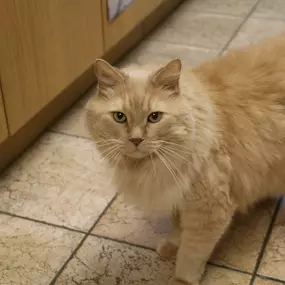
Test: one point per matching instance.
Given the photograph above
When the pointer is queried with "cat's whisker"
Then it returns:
(193, 132)
(185, 149)
(151, 158)
(104, 143)
(117, 158)
(108, 149)
(174, 167)
(174, 153)
(101, 144)
(112, 154)
(107, 154)
(154, 168)
(164, 161)
(106, 140)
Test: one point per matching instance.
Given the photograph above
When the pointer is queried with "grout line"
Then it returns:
(229, 268)
(69, 135)
(42, 222)
(273, 19)
(240, 26)
(266, 240)
(174, 44)
(81, 242)
(193, 47)
(208, 13)
(221, 15)
(123, 242)
(270, 278)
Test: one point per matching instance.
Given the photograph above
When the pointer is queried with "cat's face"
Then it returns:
(137, 115)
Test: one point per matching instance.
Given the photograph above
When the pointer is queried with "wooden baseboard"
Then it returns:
(12, 147)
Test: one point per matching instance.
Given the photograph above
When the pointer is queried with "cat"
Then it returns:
(199, 143)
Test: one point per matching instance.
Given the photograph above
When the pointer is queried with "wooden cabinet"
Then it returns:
(3, 125)
(150, 6)
(45, 45)
(130, 18)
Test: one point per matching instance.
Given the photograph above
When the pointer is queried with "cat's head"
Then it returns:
(139, 114)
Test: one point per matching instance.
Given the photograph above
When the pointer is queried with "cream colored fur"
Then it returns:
(219, 147)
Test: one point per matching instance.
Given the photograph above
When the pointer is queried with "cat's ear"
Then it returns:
(168, 76)
(107, 75)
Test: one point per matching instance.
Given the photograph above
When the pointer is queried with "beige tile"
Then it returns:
(219, 276)
(257, 29)
(73, 123)
(241, 245)
(197, 29)
(274, 257)
(129, 223)
(32, 253)
(270, 9)
(105, 262)
(260, 281)
(156, 52)
(230, 7)
(59, 180)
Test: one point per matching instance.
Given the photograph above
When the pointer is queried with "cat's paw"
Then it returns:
(166, 250)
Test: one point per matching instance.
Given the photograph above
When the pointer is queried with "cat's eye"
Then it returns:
(119, 117)
(155, 117)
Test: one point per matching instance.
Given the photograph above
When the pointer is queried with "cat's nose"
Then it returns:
(136, 141)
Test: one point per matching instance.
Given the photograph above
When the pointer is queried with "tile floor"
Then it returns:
(59, 221)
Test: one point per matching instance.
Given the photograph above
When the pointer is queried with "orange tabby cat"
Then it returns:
(200, 143)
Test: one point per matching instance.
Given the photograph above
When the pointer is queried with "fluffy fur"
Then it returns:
(218, 148)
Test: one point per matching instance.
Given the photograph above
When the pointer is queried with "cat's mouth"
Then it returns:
(137, 154)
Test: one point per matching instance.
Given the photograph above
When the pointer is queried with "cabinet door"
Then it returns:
(3, 125)
(44, 46)
(118, 28)
(150, 6)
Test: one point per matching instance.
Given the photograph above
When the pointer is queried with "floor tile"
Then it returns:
(241, 245)
(197, 29)
(257, 29)
(232, 7)
(59, 180)
(32, 253)
(156, 52)
(102, 262)
(129, 223)
(270, 9)
(239, 248)
(274, 257)
(72, 123)
(260, 281)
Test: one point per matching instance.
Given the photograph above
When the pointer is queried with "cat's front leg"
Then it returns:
(201, 228)
(168, 247)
